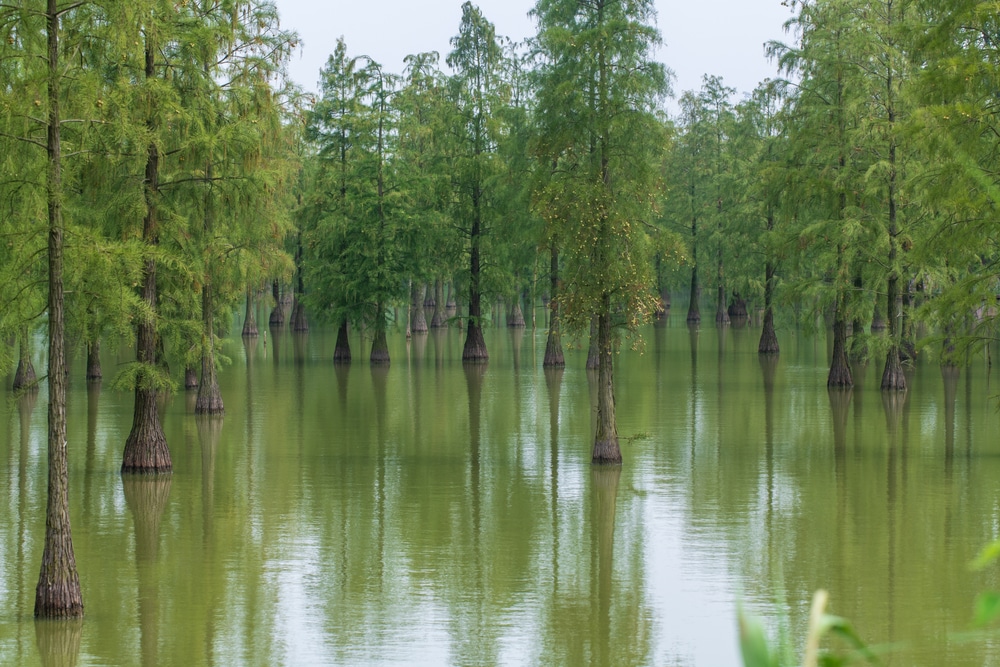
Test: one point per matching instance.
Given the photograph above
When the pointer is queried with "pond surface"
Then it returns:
(430, 514)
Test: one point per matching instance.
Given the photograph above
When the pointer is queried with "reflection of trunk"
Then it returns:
(250, 320)
(380, 347)
(94, 372)
(606, 448)
(474, 376)
(25, 377)
(950, 375)
(147, 497)
(553, 345)
(604, 483)
(593, 354)
(342, 352)
(59, 642)
(209, 430)
(840, 403)
(840, 371)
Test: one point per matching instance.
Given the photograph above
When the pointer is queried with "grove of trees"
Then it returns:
(159, 172)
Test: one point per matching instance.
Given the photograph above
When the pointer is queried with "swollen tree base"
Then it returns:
(342, 351)
(893, 378)
(380, 350)
(146, 450)
(607, 452)
(475, 351)
(768, 338)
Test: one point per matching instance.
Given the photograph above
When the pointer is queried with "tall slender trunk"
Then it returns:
(440, 319)
(94, 372)
(694, 312)
(58, 592)
(380, 347)
(418, 318)
(892, 376)
(300, 323)
(606, 450)
(475, 345)
(209, 399)
(277, 318)
(768, 337)
(146, 448)
(553, 345)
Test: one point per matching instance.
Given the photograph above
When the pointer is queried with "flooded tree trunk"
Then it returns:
(25, 376)
(768, 337)
(342, 351)
(209, 401)
(694, 312)
(475, 345)
(450, 308)
(380, 347)
(840, 371)
(57, 594)
(190, 377)
(516, 318)
(892, 375)
(439, 319)
(146, 448)
(277, 318)
(721, 313)
(250, 320)
(94, 372)
(593, 352)
(430, 297)
(606, 450)
(553, 345)
(418, 318)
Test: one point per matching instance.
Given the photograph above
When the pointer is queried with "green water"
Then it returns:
(432, 515)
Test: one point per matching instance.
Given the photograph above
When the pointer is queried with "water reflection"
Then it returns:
(58, 641)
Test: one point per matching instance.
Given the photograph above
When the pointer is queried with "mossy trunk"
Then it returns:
(94, 372)
(25, 376)
(209, 400)
(250, 320)
(554, 357)
(606, 449)
(342, 351)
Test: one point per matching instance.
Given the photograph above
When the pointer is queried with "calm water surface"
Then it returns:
(432, 514)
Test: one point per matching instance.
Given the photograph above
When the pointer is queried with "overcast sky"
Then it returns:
(721, 37)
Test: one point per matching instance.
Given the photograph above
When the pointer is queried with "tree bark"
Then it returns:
(516, 317)
(475, 345)
(593, 352)
(277, 318)
(250, 320)
(554, 357)
(606, 449)
(721, 313)
(57, 594)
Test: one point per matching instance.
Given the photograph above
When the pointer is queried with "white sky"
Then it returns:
(721, 37)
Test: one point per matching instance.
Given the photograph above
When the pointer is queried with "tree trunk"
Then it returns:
(300, 324)
(277, 318)
(439, 319)
(209, 399)
(553, 345)
(380, 347)
(342, 352)
(190, 378)
(721, 314)
(94, 372)
(146, 448)
(25, 376)
(475, 345)
(430, 297)
(694, 312)
(516, 318)
(768, 337)
(593, 352)
(57, 594)
(840, 371)
(418, 319)
(250, 320)
(892, 375)
(606, 450)
(450, 308)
